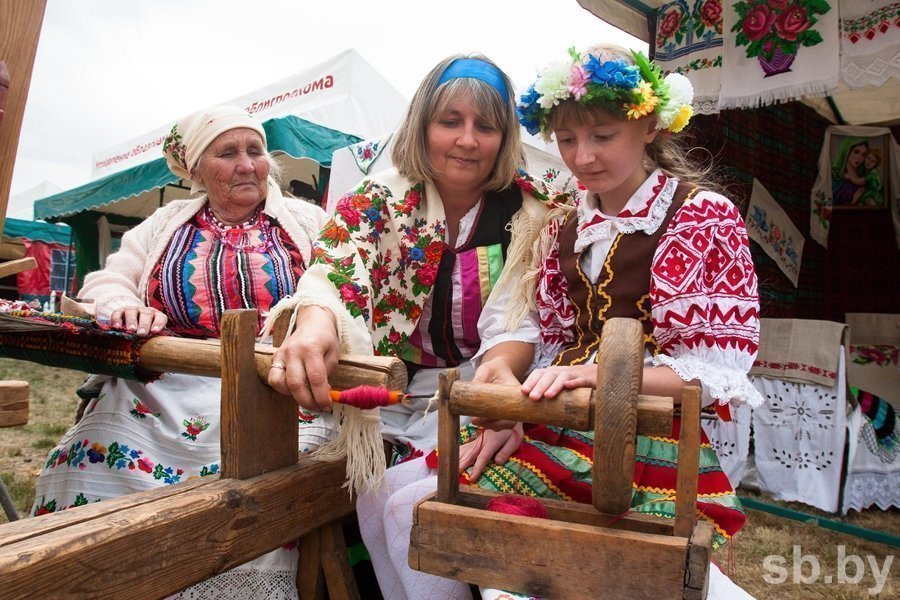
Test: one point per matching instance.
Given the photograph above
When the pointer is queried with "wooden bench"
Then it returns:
(264, 497)
(581, 551)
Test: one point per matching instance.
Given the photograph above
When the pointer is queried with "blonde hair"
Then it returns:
(409, 152)
(667, 152)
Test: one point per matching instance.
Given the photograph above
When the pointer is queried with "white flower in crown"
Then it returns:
(552, 84)
(677, 111)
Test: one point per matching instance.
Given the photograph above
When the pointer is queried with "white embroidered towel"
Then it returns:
(870, 42)
(689, 41)
(770, 227)
(778, 51)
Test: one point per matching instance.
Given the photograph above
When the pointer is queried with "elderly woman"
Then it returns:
(407, 263)
(238, 244)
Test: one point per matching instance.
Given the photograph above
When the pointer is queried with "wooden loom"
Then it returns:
(581, 551)
(155, 543)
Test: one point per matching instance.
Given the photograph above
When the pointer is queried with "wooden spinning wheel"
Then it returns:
(580, 551)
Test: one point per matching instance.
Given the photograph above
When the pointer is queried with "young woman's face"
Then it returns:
(234, 170)
(462, 147)
(606, 155)
(857, 156)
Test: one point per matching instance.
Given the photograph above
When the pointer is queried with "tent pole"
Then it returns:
(837, 113)
(68, 262)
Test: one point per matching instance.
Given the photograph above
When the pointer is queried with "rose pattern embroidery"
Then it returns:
(194, 427)
(141, 410)
(769, 26)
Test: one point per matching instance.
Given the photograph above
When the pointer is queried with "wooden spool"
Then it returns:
(453, 536)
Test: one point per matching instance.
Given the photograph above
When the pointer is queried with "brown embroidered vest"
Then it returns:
(622, 288)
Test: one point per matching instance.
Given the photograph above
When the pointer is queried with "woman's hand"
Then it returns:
(547, 383)
(301, 365)
(494, 371)
(490, 445)
(141, 320)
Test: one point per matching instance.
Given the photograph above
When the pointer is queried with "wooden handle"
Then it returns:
(573, 409)
(203, 357)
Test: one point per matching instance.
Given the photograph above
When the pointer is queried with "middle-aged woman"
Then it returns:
(238, 244)
(407, 263)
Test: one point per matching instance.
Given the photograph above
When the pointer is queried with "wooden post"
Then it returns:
(20, 27)
(619, 371)
(688, 462)
(448, 440)
(259, 428)
(310, 577)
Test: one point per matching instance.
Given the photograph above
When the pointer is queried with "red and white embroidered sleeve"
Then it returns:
(704, 297)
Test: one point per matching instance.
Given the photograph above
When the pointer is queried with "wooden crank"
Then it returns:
(581, 551)
(155, 543)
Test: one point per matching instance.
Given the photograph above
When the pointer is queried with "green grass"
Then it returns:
(23, 449)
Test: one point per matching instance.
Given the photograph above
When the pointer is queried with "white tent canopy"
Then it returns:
(306, 116)
(344, 93)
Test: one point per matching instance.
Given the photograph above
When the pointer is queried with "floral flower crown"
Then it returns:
(638, 90)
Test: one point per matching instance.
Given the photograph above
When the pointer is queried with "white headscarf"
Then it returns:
(191, 135)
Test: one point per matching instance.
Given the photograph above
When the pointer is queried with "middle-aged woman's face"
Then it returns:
(234, 170)
(462, 146)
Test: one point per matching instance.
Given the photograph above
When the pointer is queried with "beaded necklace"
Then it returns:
(237, 237)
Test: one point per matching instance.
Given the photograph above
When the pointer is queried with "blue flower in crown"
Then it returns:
(613, 73)
(529, 111)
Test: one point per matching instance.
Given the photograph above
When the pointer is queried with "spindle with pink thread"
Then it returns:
(366, 397)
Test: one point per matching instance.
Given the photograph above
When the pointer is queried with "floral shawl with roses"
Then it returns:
(374, 266)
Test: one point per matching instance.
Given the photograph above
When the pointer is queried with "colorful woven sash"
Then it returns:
(79, 343)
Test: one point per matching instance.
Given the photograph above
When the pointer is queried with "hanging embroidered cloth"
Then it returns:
(689, 41)
(870, 42)
(842, 182)
(801, 350)
(873, 469)
(799, 436)
(770, 227)
(778, 51)
(367, 152)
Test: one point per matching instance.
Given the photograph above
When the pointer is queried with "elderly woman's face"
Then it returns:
(234, 171)
(462, 146)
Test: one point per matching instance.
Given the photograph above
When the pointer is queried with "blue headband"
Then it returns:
(474, 68)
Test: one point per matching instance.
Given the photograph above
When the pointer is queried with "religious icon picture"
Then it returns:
(858, 171)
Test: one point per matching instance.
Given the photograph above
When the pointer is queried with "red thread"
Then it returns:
(366, 397)
(512, 504)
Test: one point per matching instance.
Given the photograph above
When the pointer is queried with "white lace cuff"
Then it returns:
(724, 384)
